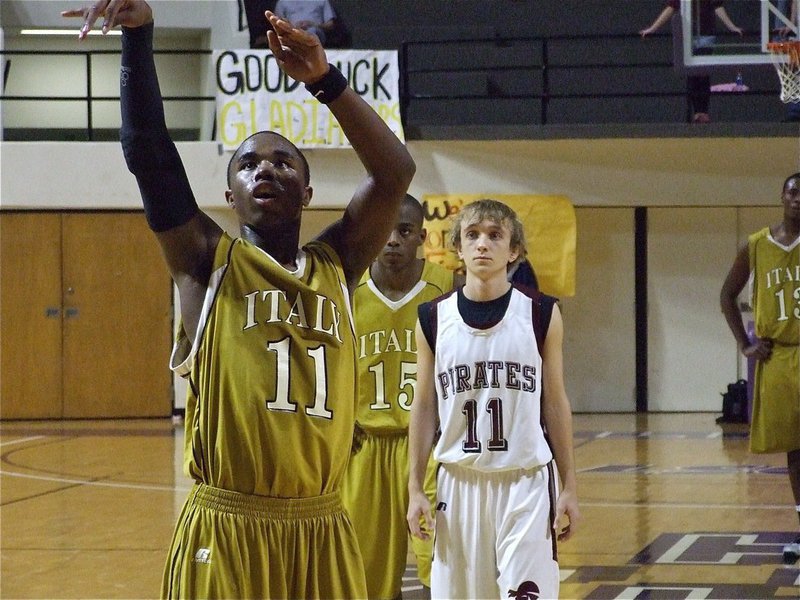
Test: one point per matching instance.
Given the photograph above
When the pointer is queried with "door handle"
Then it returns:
(71, 312)
(52, 312)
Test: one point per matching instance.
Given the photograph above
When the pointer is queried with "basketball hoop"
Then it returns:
(786, 60)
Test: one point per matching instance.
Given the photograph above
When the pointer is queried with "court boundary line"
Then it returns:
(621, 504)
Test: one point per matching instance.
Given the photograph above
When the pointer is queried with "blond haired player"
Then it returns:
(267, 339)
(490, 378)
(375, 488)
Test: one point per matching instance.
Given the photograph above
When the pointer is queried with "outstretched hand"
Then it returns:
(128, 13)
(299, 53)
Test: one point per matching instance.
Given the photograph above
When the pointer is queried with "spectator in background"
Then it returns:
(698, 87)
(315, 16)
(256, 23)
(781, 32)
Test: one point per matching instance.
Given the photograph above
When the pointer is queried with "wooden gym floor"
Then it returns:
(673, 507)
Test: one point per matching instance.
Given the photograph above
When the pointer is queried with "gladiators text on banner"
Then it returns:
(253, 94)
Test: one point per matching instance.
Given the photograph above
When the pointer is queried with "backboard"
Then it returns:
(761, 20)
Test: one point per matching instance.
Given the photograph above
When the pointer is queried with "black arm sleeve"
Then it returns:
(149, 152)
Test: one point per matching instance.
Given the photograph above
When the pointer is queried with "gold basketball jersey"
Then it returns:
(776, 287)
(270, 408)
(387, 351)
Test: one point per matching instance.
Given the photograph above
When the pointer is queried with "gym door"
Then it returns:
(85, 317)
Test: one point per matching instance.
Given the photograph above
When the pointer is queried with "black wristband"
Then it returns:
(330, 87)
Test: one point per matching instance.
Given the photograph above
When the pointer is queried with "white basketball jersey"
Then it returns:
(489, 389)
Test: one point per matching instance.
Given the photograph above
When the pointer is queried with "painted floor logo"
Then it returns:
(203, 556)
(527, 590)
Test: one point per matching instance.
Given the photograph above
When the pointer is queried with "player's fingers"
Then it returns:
(275, 45)
(565, 533)
(416, 531)
(559, 520)
(94, 12)
(289, 34)
(111, 12)
(430, 522)
(90, 15)
(422, 534)
(281, 26)
(413, 523)
(422, 524)
(82, 13)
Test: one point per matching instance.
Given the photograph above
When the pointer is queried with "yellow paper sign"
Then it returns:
(550, 230)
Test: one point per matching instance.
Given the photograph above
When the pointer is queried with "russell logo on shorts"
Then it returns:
(527, 590)
(203, 556)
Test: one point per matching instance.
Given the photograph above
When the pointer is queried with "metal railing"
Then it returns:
(546, 68)
(416, 64)
(89, 98)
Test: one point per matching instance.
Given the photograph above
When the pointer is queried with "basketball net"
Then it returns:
(786, 60)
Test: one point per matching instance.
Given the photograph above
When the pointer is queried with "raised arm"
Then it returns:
(188, 237)
(557, 415)
(421, 432)
(372, 211)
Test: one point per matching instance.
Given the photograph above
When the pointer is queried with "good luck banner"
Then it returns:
(253, 94)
